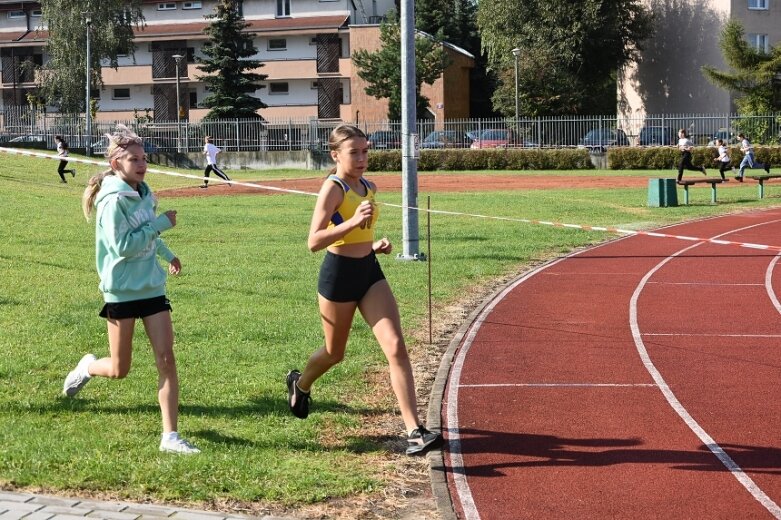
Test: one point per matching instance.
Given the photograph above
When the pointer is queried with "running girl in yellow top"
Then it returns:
(351, 278)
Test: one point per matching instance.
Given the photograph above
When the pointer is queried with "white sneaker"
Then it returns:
(78, 377)
(176, 444)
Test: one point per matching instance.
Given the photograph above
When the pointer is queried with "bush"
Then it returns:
(495, 159)
(666, 157)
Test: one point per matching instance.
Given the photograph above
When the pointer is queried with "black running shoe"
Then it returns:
(301, 407)
(767, 167)
(421, 440)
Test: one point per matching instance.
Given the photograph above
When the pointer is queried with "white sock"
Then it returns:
(170, 436)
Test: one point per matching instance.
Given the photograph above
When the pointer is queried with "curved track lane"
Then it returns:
(638, 379)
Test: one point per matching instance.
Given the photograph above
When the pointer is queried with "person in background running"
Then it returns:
(748, 157)
(686, 146)
(351, 279)
(127, 243)
(723, 159)
(211, 151)
(62, 151)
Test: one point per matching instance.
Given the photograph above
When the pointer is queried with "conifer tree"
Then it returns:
(230, 80)
(381, 69)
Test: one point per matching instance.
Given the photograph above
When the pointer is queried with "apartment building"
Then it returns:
(668, 79)
(305, 46)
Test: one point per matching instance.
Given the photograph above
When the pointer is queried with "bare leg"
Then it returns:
(120, 341)
(337, 318)
(160, 331)
(381, 312)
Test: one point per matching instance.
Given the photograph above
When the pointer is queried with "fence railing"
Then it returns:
(23, 124)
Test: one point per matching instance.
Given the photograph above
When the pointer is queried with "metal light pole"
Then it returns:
(178, 58)
(87, 104)
(516, 55)
(409, 151)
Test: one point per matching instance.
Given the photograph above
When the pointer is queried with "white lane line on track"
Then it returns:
(560, 385)
(769, 283)
(709, 283)
(676, 405)
(463, 491)
(707, 335)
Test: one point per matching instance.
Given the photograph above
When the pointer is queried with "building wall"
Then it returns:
(668, 78)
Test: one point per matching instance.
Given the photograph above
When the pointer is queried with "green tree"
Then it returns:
(230, 78)
(455, 21)
(381, 69)
(571, 51)
(62, 80)
(754, 72)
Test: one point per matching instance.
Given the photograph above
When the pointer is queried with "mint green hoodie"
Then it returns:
(127, 242)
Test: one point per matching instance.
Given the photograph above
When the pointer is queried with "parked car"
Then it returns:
(600, 139)
(385, 139)
(29, 138)
(496, 138)
(722, 133)
(447, 139)
(658, 136)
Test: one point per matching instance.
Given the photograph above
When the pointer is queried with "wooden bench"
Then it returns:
(761, 180)
(713, 181)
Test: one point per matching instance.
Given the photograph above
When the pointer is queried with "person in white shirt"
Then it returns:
(686, 146)
(723, 159)
(748, 157)
(62, 151)
(211, 151)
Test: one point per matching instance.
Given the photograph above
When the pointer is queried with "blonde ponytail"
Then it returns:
(91, 192)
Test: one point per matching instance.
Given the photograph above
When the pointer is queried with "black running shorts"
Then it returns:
(135, 308)
(346, 279)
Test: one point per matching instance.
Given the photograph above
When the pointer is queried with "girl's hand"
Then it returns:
(175, 267)
(383, 246)
(171, 214)
(363, 214)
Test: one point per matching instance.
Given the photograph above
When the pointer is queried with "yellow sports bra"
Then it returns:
(346, 210)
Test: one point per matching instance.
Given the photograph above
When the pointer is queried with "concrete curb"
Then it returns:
(31, 506)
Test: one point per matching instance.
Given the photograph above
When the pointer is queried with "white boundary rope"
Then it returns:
(606, 229)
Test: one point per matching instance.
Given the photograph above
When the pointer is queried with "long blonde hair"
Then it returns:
(118, 143)
(339, 135)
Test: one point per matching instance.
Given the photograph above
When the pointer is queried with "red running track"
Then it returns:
(637, 379)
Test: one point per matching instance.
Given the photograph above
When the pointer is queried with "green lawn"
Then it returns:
(245, 312)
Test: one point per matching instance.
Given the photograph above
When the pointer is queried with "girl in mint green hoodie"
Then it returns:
(127, 243)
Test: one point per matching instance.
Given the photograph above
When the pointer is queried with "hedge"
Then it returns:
(666, 157)
(494, 159)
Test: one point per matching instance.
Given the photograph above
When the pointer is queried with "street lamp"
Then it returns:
(87, 106)
(516, 54)
(178, 58)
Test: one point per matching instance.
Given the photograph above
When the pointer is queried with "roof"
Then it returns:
(319, 23)
(23, 36)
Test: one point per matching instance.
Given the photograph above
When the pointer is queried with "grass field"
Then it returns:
(245, 312)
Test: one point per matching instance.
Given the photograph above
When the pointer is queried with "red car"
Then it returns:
(496, 138)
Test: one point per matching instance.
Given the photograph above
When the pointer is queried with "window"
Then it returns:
(16, 14)
(191, 5)
(120, 93)
(314, 85)
(757, 4)
(278, 88)
(36, 13)
(759, 42)
(193, 99)
(277, 44)
(166, 6)
(283, 8)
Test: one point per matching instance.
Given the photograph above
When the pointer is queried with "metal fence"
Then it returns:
(25, 125)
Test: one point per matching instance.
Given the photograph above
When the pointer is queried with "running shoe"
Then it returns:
(176, 444)
(297, 399)
(78, 377)
(767, 167)
(421, 440)
(73, 173)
